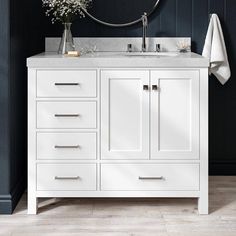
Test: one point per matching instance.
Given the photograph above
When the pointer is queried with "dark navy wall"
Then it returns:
(4, 117)
(189, 18)
(23, 27)
(18, 34)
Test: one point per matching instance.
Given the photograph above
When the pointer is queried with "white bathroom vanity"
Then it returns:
(114, 124)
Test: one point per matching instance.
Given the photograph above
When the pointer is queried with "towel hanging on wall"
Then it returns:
(215, 50)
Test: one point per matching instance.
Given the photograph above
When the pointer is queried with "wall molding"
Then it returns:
(8, 202)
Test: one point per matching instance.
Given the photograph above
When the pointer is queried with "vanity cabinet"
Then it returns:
(121, 131)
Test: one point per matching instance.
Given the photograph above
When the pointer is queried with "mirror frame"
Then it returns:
(123, 24)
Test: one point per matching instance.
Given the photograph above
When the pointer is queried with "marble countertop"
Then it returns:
(118, 59)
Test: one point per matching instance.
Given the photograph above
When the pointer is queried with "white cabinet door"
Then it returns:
(175, 114)
(125, 114)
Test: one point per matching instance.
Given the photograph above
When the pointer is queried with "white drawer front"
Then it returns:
(66, 115)
(66, 146)
(60, 83)
(165, 177)
(66, 177)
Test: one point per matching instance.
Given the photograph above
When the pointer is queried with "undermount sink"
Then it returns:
(132, 54)
(156, 54)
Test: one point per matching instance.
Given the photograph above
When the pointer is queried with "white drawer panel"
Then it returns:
(66, 83)
(66, 146)
(66, 115)
(166, 177)
(66, 177)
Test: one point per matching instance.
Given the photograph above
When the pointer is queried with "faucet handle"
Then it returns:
(158, 47)
(129, 47)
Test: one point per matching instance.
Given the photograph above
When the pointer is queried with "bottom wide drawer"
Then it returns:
(150, 177)
(66, 177)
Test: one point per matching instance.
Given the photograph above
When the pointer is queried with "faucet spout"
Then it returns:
(145, 24)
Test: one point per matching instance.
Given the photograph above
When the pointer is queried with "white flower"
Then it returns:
(65, 10)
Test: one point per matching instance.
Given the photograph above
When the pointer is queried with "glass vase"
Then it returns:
(67, 42)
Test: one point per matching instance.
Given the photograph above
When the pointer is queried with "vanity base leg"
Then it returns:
(32, 205)
(203, 206)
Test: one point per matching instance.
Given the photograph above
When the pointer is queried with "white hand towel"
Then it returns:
(215, 50)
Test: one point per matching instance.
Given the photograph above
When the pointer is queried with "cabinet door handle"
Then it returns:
(66, 177)
(66, 115)
(69, 147)
(145, 87)
(154, 87)
(66, 84)
(151, 178)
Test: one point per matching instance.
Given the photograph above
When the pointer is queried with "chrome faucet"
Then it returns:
(145, 24)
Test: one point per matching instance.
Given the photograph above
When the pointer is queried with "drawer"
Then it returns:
(66, 146)
(61, 115)
(60, 83)
(66, 177)
(163, 177)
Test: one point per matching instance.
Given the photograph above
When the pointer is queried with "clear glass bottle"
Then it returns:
(67, 42)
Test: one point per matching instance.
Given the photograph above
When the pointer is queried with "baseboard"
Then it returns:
(222, 168)
(8, 202)
(5, 204)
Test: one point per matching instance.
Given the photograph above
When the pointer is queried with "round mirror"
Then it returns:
(119, 13)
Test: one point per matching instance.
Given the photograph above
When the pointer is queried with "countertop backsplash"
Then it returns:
(118, 44)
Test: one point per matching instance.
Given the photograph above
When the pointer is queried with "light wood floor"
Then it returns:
(128, 217)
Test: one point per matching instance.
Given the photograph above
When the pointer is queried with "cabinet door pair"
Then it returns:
(149, 114)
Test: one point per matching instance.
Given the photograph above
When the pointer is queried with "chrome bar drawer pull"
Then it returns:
(66, 115)
(72, 147)
(66, 84)
(151, 178)
(66, 177)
